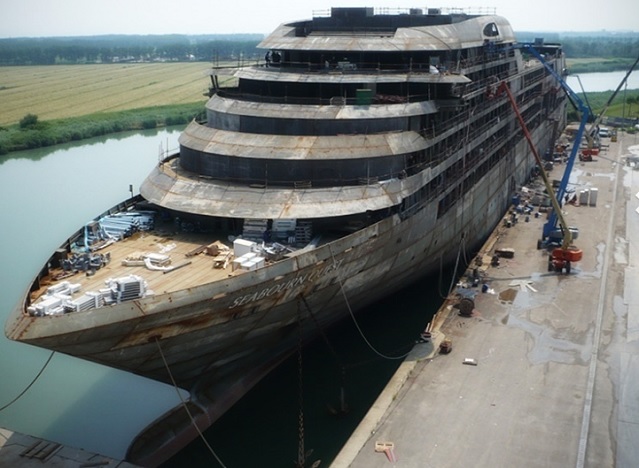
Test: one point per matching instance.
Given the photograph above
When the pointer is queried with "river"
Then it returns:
(46, 195)
(608, 81)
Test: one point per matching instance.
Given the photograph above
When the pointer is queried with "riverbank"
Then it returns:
(598, 64)
(31, 133)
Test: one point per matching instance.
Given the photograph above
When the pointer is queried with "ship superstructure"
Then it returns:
(360, 154)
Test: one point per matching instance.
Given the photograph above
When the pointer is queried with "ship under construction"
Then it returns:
(362, 152)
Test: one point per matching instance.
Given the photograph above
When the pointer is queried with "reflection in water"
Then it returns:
(46, 195)
(597, 82)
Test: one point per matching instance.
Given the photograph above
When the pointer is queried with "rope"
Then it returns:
(31, 384)
(361, 333)
(454, 277)
(186, 408)
(334, 352)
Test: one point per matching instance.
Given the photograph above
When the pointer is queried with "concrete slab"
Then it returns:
(557, 355)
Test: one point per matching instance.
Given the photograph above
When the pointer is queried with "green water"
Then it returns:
(46, 195)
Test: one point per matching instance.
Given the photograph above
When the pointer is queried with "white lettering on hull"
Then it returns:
(285, 285)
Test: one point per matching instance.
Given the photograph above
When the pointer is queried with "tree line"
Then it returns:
(591, 45)
(126, 48)
(210, 48)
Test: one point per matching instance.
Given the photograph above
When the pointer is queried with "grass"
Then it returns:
(52, 132)
(617, 109)
(73, 102)
(62, 91)
(596, 65)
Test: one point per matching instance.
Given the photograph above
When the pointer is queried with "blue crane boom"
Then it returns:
(551, 224)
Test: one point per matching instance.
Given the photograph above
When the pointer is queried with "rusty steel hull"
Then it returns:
(220, 338)
(213, 327)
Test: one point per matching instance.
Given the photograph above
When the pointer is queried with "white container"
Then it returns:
(237, 263)
(584, 196)
(253, 263)
(594, 192)
(242, 246)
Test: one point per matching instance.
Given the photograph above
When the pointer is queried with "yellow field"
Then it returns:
(59, 91)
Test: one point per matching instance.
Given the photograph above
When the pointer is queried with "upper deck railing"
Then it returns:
(471, 11)
(349, 67)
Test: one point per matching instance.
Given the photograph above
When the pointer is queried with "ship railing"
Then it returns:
(466, 118)
(484, 84)
(333, 65)
(174, 171)
(471, 11)
(461, 117)
(332, 101)
(501, 53)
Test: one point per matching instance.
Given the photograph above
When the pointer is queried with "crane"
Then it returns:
(561, 258)
(550, 227)
(595, 124)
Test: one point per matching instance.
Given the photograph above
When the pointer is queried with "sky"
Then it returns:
(44, 18)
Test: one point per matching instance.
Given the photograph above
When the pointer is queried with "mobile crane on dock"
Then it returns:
(550, 227)
(561, 258)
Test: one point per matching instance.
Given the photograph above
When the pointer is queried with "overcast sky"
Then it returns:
(41, 18)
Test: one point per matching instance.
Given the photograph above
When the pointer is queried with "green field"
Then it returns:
(596, 65)
(62, 91)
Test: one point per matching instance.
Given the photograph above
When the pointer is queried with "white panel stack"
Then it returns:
(584, 196)
(588, 197)
(50, 305)
(84, 302)
(283, 229)
(127, 288)
(254, 229)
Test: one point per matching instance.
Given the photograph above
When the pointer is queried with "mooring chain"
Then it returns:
(300, 449)
(321, 330)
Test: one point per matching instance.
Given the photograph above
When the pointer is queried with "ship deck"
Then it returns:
(189, 269)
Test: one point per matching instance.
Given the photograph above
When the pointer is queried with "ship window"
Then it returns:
(491, 30)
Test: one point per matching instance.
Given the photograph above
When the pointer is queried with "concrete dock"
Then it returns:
(556, 380)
